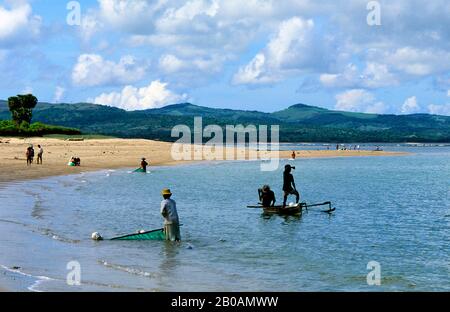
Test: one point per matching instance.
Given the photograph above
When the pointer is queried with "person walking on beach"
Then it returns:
(266, 196)
(39, 155)
(144, 164)
(289, 185)
(170, 215)
(293, 155)
(32, 153)
(28, 155)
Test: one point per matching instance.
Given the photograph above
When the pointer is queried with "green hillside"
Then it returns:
(298, 123)
(15, 126)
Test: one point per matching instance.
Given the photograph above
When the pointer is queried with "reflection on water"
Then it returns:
(393, 210)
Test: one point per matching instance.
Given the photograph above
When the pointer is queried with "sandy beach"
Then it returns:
(99, 154)
(94, 155)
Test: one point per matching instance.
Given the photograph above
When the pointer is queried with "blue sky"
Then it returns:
(257, 55)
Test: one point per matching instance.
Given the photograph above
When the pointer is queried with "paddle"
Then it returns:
(330, 210)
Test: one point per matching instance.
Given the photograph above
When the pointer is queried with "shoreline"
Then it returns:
(98, 155)
(104, 154)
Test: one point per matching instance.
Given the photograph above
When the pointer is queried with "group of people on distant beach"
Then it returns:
(343, 147)
(30, 153)
(75, 162)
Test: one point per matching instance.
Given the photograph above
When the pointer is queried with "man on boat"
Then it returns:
(289, 185)
(266, 196)
(144, 164)
(170, 215)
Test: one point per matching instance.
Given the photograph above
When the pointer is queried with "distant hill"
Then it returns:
(298, 123)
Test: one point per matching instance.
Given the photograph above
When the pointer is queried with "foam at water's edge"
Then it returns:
(127, 269)
(38, 279)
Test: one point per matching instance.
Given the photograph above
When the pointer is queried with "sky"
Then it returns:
(353, 55)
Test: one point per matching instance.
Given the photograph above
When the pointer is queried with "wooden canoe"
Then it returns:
(288, 210)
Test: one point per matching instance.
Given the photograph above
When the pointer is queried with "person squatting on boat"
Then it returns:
(170, 215)
(266, 196)
(289, 185)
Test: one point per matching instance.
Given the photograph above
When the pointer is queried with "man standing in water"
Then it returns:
(170, 215)
(144, 164)
(289, 185)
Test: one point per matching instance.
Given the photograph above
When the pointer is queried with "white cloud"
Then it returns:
(131, 98)
(408, 46)
(419, 62)
(410, 106)
(175, 20)
(18, 24)
(349, 77)
(89, 26)
(387, 68)
(254, 72)
(443, 109)
(170, 64)
(290, 51)
(129, 15)
(448, 93)
(194, 39)
(375, 75)
(359, 100)
(59, 94)
(378, 75)
(93, 70)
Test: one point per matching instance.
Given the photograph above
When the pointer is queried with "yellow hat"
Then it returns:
(166, 192)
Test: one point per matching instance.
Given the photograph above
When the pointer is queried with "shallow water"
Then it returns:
(393, 210)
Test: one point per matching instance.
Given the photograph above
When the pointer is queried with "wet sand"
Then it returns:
(110, 154)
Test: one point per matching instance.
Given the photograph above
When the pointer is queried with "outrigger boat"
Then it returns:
(288, 210)
(293, 210)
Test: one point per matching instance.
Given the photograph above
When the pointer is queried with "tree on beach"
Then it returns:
(21, 108)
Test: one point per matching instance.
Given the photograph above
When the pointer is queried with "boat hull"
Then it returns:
(289, 210)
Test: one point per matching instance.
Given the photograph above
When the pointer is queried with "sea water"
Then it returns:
(391, 210)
